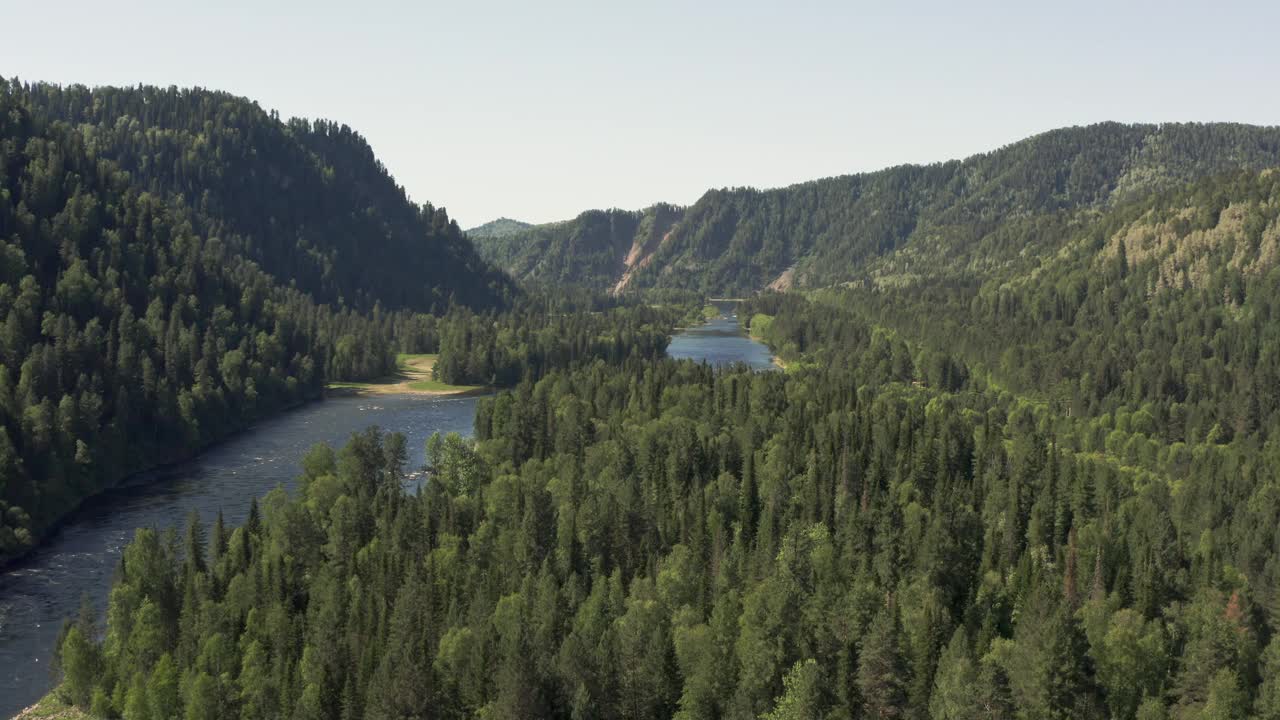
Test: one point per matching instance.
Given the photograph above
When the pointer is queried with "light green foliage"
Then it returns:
(1133, 662)
(955, 682)
(81, 666)
(800, 698)
(939, 223)
(1226, 700)
(760, 324)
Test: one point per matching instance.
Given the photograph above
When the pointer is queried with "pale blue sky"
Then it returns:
(538, 110)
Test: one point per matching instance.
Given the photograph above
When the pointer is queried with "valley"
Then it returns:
(984, 438)
(79, 561)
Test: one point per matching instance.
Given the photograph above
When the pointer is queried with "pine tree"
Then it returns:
(882, 668)
(954, 683)
(801, 695)
(402, 685)
(1267, 704)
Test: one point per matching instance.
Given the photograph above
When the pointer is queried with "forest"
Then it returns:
(175, 264)
(735, 241)
(1019, 462)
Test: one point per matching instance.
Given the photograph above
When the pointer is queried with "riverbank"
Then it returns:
(47, 586)
(778, 361)
(139, 474)
(412, 377)
(51, 708)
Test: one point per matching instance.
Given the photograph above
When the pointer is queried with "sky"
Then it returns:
(539, 110)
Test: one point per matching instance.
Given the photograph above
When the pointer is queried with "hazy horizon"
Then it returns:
(538, 113)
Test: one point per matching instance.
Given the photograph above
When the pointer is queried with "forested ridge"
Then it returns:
(737, 241)
(175, 264)
(501, 227)
(305, 200)
(599, 249)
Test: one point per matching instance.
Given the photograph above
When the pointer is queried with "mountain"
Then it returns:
(176, 264)
(961, 216)
(1050, 493)
(599, 248)
(305, 200)
(1159, 313)
(502, 227)
(1022, 463)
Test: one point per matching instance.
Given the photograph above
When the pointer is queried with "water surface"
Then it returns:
(36, 595)
(721, 341)
(80, 559)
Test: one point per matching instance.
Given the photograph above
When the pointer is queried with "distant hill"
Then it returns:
(958, 217)
(598, 249)
(502, 227)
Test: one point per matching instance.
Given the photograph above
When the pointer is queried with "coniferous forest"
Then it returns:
(1020, 460)
(175, 264)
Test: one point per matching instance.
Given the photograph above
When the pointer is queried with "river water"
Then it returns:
(37, 594)
(720, 342)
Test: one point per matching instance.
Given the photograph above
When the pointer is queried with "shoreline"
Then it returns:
(352, 391)
(140, 476)
(773, 357)
(412, 377)
(154, 472)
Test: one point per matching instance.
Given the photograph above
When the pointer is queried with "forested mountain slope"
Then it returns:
(1160, 318)
(1049, 492)
(305, 200)
(598, 249)
(961, 217)
(171, 269)
(501, 227)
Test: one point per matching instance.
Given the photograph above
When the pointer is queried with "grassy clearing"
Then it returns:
(413, 375)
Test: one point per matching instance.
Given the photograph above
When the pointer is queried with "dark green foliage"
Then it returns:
(970, 217)
(488, 350)
(645, 538)
(1003, 485)
(882, 669)
(306, 201)
(177, 264)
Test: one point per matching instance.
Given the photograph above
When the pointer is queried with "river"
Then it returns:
(46, 587)
(720, 342)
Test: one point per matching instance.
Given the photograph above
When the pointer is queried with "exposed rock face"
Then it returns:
(785, 281)
(638, 258)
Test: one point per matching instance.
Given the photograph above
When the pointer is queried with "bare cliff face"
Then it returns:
(602, 249)
(784, 281)
(639, 257)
